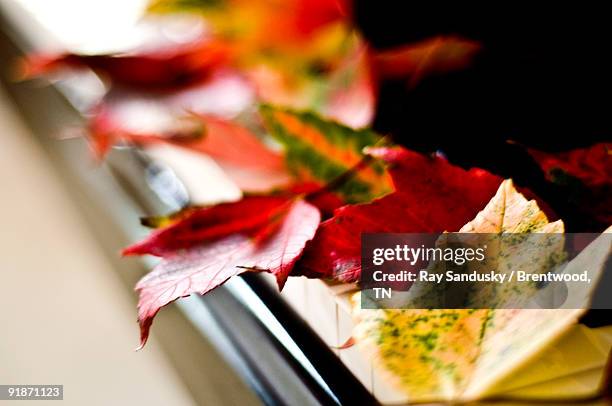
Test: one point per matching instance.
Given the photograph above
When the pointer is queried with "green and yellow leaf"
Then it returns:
(321, 150)
(442, 354)
(182, 6)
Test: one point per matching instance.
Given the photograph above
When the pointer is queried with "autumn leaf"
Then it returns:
(312, 59)
(311, 15)
(431, 195)
(585, 176)
(201, 119)
(324, 200)
(270, 240)
(105, 129)
(432, 354)
(351, 94)
(227, 141)
(417, 60)
(591, 165)
(295, 20)
(197, 225)
(242, 154)
(165, 69)
(510, 212)
(320, 150)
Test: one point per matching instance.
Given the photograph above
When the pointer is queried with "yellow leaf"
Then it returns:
(442, 354)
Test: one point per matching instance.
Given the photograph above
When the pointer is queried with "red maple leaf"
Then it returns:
(256, 234)
(247, 216)
(164, 69)
(431, 195)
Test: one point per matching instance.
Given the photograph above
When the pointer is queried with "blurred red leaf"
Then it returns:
(310, 15)
(585, 175)
(431, 195)
(414, 61)
(230, 142)
(166, 69)
(353, 91)
(295, 22)
(592, 165)
(271, 243)
(104, 131)
(222, 139)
